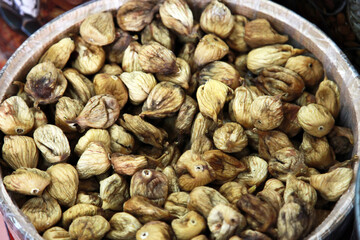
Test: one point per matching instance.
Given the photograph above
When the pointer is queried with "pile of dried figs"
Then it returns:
(165, 120)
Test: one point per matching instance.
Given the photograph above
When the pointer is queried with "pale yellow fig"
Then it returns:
(209, 49)
(266, 112)
(80, 87)
(93, 135)
(236, 39)
(181, 77)
(328, 95)
(59, 53)
(256, 173)
(130, 60)
(301, 190)
(98, 29)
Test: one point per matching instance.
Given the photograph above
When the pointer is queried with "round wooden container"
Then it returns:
(306, 34)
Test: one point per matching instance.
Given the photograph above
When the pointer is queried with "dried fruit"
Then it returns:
(276, 80)
(79, 210)
(155, 58)
(110, 84)
(150, 184)
(272, 197)
(188, 226)
(80, 87)
(266, 112)
(89, 228)
(203, 199)
(101, 111)
(176, 15)
(128, 164)
(130, 61)
(216, 18)
(139, 85)
(173, 183)
(67, 109)
(144, 131)
(164, 100)
(20, 151)
(211, 98)
(115, 51)
(145, 210)
(28, 181)
(143, 13)
(209, 49)
(233, 191)
(90, 57)
(287, 161)
(98, 29)
(45, 83)
(64, 183)
(276, 185)
(305, 99)
(328, 95)
(93, 161)
(121, 141)
(156, 31)
(154, 230)
(290, 124)
(181, 77)
(43, 212)
(240, 64)
(201, 144)
(123, 226)
(257, 170)
(202, 126)
(333, 184)
(268, 56)
(56, 233)
(309, 69)
(251, 234)
(176, 203)
(259, 33)
(341, 139)
(187, 53)
(59, 53)
(236, 38)
(220, 71)
(317, 152)
(114, 191)
(272, 141)
(89, 198)
(230, 138)
(39, 117)
(301, 190)
(186, 115)
(52, 143)
(315, 119)
(224, 220)
(93, 135)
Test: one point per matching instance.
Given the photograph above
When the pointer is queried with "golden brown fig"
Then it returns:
(272, 197)
(89, 198)
(154, 230)
(301, 190)
(80, 87)
(181, 77)
(188, 226)
(59, 53)
(98, 29)
(101, 111)
(123, 226)
(45, 83)
(187, 53)
(266, 112)
(220, 71)
(20, 151)
(121, 141)
(272, 141)
(145, 210)
(317, 152)
(201, 144)
(28, 181)
(150, 184)
(240, 64)
(257, 170)
(130, 61)
(89, 228)
(233, 191)
(194, 36)
(212, 97)
(209, 49)
(252, 235)
(260, 33)
(164, 100)
(112, 69)
(128, 164)
(56, 233)
(143, 13)
(115, 50)
(276, 185)
(93, 135)
(155, 58)
(230, 138)
(287, 160)
(67, 109)
(216, 18)
(176, 203)
(341, 139)
(315, 119)
(305, 99)
(39, 117)
(173, 183)
(290, 124)
(43, 212)
(276, 80)
(309, 69)
(186, 115)
(193, 171)
(90, 58)
(236, 39)
(268, 56)
(224, 220)
(176, 15)
(226, 167)
(203, 199)
(156, 31)
(110, 84)
(79, 210)
(114, 191)
(328, 95)
(144, 131)
(64, 183)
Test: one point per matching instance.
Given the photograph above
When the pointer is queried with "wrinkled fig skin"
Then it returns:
(130, 60)
(59, 53)
(89, 228)
(123, 226)
(272, 197)
(266, 112)
(115, 50)
(93, 135)
(56, 233)
(256, 173)
(260, 215)
(278, 80)
(224, 220)
(173, 182)
(121, 141)
(253, 235)
(305, 99)
(233, 191)
(209, 49)
(230, 138)
(201, 144)
(186, 115)
(260, 33)
(181, 77)
(301, 190)
(114, 191)
(89, 197)
(272, 141)
(150, 184)
(188, 226)
(145, 210)
(156, 31)
(78, 210)
(290, 124)
(176, 203)
(341, 140)
(276, 185)
(67, 109)
(328, 95)
(154, 230)
(236, 39)
(80, 87)
(128, 164)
